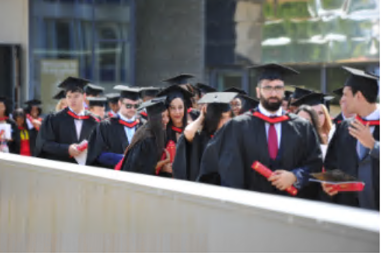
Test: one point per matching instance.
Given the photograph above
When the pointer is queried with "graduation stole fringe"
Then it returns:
(272, 120)
(371, 122)
(129, 125)
(177, 129)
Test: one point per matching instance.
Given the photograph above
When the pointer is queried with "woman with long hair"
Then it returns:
(147, 145)
(306, 112)
(191, 145)
(25, 139)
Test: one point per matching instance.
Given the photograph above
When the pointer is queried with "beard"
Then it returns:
(271, 106)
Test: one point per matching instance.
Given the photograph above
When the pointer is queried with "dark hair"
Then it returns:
(314, 118)
(28, 109)
(370, 92)
(153, 128)
(213, 116)
(74, 89)
(19, 112)
(7, 110)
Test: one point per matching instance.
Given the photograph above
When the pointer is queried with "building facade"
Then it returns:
(140, 42)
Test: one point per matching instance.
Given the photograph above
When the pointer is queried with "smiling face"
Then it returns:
(128, 107)
(176, 112)
(165, 118)
(236, 105)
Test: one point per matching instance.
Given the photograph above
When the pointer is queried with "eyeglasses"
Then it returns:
(269, 89)
(130, 106)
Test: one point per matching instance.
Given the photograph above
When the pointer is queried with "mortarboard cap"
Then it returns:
(287, 95)
(97, 101)
(205, 88)
(154, 106)
(93, 90)
(150, 91)
(179, 79)
(33, 102)
(113, 97)
(132, 93)
(73, 84)
(300, 92)
(338, 92)
(59, 95)
(237, 90)
(248, 102)
(175, 91)
(312, 99)
(358, 76)
(218, 98)
(273, 71)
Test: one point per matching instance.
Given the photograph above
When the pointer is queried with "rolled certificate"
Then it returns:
(266, 172)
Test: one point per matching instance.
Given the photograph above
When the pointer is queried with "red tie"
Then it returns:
(273, 142)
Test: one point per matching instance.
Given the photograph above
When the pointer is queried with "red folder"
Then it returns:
(171, 148)
(339, 180)
(266, 172)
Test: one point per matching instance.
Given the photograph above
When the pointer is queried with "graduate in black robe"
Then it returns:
(355, 146)
(285, 143)
(113, 104)
(146, 148)
(112, 136)
(5, 119)
(62, 132)
(25, 138)
(191, 145)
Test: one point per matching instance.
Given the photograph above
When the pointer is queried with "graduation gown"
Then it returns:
(187, 161)
(338, 119)
(32, 134)
(193, 113)
(12, 145)
(108, 136)
(238, 144)
(142, 157)
(342, 154)
(58, 132)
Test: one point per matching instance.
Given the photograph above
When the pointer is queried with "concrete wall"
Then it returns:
(169, 39)
(48, 206)
(14, 29)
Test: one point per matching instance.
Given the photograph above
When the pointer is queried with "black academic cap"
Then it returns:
(205, 88)
(237, 90)
(179, 79)
(273, 71)
(248, 102)
(33, 102)
(300, 92)
(150, 91)
(73, 84)
(372, 71)
(59, 95)
(132, 93)
(312, 99)
(175, 91)
(97, 101)
(287, 95)
(113, 97)
(93, 90)
(218, 98)
(358, 76)
(154, 106)
(338, 92)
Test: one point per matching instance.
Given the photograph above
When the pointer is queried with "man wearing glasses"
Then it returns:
(111, 138)
(284, 143)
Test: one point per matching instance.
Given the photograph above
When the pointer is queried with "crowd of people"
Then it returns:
(193, 132)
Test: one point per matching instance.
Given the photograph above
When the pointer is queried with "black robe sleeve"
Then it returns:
(14, 145)
(96, 146)
(46, 140)
(186, 165)
(142, 158)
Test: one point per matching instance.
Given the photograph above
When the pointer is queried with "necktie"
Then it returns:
(272, 142)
